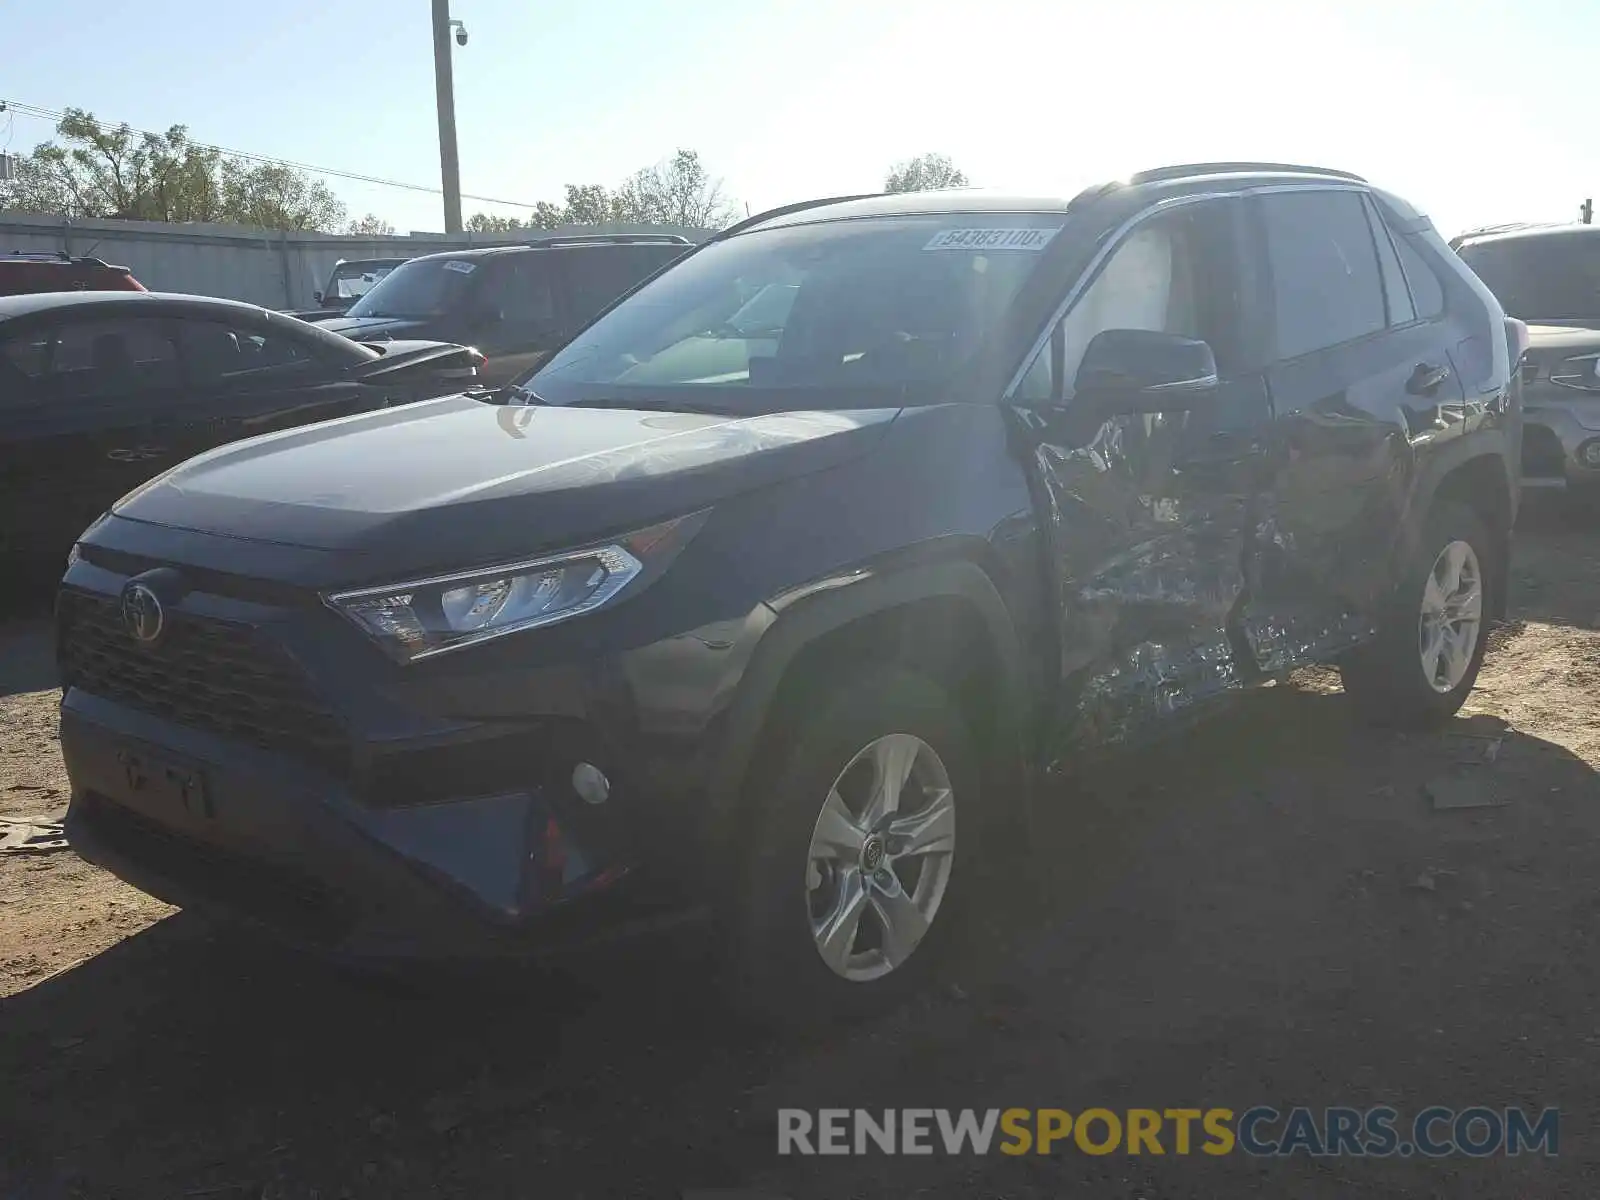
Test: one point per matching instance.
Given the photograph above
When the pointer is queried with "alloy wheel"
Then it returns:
(881, 855)
(1451, 620)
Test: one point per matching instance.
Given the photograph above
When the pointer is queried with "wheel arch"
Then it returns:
(944, 619)
(1473, 472)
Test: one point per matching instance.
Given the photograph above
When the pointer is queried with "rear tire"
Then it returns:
(853, 891)
(1434, 629)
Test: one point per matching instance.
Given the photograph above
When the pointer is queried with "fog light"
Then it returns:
(1589, 452)
(590, 783)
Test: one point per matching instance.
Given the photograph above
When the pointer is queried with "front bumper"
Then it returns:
(351, 805)
(282, 846)
(1558, 423)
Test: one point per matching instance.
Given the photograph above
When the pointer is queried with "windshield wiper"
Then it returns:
(681, 406)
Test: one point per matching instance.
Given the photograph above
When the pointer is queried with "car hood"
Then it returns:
(457, 482)
(1549, 346)
(1567, 339)
(364, 328)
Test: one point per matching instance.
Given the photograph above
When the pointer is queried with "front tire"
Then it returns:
(863, 826)
(1433, 632)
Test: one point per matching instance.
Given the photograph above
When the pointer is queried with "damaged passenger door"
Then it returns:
(1148, 500)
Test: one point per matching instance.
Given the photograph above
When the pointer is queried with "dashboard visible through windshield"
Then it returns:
(832, 314)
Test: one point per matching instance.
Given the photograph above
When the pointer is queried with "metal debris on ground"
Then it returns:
(1477, 750)
(31, 835)
(1463, 791)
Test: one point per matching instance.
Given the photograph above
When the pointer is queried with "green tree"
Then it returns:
(274, 196)
(482, 222)
(95, 170)
(115, 172)
(924, 173)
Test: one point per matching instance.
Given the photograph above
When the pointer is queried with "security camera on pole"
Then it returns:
(444, 82)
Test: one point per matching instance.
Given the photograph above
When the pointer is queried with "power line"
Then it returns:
(47, 114)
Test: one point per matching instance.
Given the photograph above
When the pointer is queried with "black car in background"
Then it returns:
(513, 303)
(1549, 276)
(99, 391)
(348, 281)
(786, 580)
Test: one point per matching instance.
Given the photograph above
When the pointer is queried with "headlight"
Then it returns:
(430, 616)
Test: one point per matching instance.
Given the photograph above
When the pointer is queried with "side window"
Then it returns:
(1152, 280)
(22, 362)
(1326, 285)
(1425, 287)
(1401, 310)
(98, 360)
(524, 294)
(217, 352)
(596, 276)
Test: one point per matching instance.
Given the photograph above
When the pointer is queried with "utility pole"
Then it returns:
(444, 83)
(1586, 212)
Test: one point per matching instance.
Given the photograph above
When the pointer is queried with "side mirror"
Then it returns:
(1144, 370)
(317, 296)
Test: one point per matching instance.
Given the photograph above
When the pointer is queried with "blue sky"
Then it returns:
(1477, 112)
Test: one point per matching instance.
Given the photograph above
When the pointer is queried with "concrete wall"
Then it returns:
(275, 270)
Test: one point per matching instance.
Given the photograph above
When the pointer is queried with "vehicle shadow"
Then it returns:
(27, 659)
(196, 1060)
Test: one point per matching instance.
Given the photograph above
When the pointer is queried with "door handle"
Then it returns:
(1426, 378)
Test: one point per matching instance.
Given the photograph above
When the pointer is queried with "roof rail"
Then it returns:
(1508, 227)
(1182, 170)
(784, 210)
(589, 239)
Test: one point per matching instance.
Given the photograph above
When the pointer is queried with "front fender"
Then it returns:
(805, 615)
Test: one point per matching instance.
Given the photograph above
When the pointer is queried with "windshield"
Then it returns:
(1549, 277)
(423, 287)
(831, 315)
(357, 279)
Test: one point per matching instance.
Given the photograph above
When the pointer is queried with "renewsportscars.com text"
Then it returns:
(1433, 1132)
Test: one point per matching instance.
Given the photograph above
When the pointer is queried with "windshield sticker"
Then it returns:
(465, 268)
(990, 239)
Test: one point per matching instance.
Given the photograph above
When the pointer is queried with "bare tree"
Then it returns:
(925, 173)
(371, 225)
(679, 191)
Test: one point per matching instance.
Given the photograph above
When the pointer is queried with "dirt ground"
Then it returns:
(1268, 911)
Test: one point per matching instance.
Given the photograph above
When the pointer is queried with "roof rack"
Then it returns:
(784, 210)
(60, 256)
(1184, 170)
(586, 239)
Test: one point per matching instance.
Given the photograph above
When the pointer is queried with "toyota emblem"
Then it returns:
(142, 614)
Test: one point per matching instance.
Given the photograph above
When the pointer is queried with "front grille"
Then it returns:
(203, 673)
(1542, 456)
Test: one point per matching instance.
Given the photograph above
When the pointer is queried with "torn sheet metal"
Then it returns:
(1281, 642)
(1152, 683)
